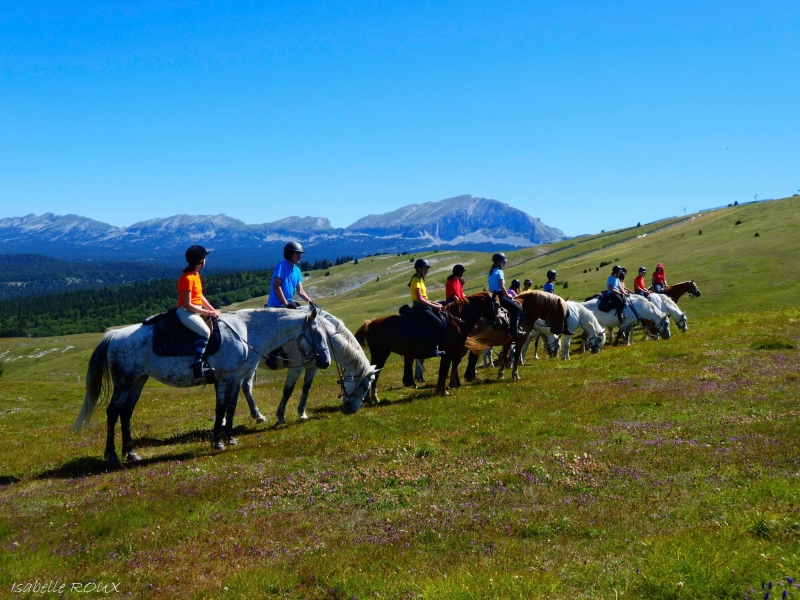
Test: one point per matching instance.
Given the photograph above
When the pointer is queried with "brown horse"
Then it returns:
(550, 308)
(679, 289)
(383, 337)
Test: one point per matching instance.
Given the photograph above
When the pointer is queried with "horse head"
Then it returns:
(552, 343)
(597, 341)
(693, 289)
(312, 341)
(663, 327)
(355, 388)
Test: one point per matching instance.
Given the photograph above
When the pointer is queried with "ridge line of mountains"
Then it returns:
(463, 222)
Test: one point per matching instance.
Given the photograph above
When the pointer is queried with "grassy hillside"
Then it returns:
(663, 470)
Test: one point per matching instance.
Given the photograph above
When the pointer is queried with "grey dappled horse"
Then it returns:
(345, 350)
(125, 360)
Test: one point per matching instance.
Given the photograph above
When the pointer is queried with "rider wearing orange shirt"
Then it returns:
(639, 286)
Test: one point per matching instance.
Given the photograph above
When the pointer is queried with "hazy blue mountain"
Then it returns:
(464, 222)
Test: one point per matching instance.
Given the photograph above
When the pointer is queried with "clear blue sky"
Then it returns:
(589, 115)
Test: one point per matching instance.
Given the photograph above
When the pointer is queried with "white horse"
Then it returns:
(124, 360)
(552, 342)
(345, 350)
(666, 304)
(594, 334)
(636, 309)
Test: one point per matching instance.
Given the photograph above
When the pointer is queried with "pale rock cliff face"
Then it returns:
(463, 222)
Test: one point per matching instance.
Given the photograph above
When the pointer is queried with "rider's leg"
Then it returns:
(195, 323)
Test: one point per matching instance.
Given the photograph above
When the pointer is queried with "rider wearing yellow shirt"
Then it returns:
(427, 313)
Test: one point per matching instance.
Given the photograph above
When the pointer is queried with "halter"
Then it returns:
(307, 359)
(357, 377)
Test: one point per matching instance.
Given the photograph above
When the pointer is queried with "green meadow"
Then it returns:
(662, 470)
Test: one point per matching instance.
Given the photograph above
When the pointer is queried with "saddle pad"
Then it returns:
(413, 330)
(172, 338)
(605, 304)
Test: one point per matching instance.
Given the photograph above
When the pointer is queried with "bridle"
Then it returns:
(358, 378)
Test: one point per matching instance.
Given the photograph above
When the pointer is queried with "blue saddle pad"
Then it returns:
(173, 338)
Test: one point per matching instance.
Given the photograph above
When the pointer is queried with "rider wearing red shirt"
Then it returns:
(659, 279)
(454, 288)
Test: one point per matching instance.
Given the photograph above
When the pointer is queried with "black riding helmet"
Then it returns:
(515, 284)
(459, 269)
(290, 248)
(422, 262)
(527, 280)
(498, 256)
(195, 255)
(616, 269)
(642, 269)
(552, 274)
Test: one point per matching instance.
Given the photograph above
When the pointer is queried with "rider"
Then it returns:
(287, 278)
(550, 286)
(526, 285)
(614, 292)
(513, 291)
(639, 286)
(497, 286)
(193, 307)
(423, 309)
(454, 288)
(659, 279)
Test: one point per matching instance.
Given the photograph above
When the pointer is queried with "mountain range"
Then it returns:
(464, 222)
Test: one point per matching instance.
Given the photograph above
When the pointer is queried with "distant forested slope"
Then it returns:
(25, 275)
(91, 310)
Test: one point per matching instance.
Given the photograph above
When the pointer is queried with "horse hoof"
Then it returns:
(259, 418)
(516, 377)
(443, 393)
(132, 457)
(410, 385)
(231, 441)
(280, 421)
(304, 417)
(113, 462)
(217, 445)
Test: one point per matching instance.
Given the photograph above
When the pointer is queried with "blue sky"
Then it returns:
(589, 115)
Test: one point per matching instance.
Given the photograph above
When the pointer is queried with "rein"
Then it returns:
(307, 361)
(343, 377)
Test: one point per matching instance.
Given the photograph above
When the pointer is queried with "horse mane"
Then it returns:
(587, 315)
(350, 345)
(549, 302)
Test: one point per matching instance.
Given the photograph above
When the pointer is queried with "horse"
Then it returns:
(345, 350)
(594, 335)
(668, 305)
(382, 335)
(550, 308)
(679, 289)
(124, 360)
(636, 309)
(540, 331)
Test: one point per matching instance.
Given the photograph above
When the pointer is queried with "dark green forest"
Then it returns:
(25, 275)
(93, 310)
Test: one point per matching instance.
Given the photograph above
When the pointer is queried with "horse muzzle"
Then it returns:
(323, 359)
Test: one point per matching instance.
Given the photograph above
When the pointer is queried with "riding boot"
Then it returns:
(272, 359)
(200, 367)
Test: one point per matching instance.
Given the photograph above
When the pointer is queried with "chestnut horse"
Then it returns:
(679, 289)
(383, 337)
(550, 308)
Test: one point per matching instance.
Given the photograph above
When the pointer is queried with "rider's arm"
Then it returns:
(503, 289)
(418, 297)
(276, 287)
(303, 294)
(186, 299)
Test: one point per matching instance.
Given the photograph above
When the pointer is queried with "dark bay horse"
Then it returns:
(552, 309)
(679, 289)
(382, 336)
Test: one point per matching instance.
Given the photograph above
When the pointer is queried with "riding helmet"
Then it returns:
(527, 280)
(642, 269)
(498, 256)
(422, 262)
(196, 254)
(552, 274)
(459, 269)
(515, 284)
(290, 248)
(616, 268)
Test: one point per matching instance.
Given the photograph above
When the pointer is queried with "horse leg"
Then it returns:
(379, 361)
(455, 380)
(311, 370)
(292, 375)
(112, 414)
(408, 375)
(227, 393)
(515, 363)
(126, 411)
(525, 348)
(536, 348)
(444, 367)
(419, 370)
(503, 360)
(565, 349)
(247, 389)
(472, 361)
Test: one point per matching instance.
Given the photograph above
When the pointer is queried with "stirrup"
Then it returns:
(435, 352)
(201, 369)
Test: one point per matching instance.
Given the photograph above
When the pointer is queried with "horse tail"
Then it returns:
(361, 334)
(98, 381)
(480, 341)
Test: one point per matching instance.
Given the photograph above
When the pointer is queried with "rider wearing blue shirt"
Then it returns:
(497, 285)
(287, 278)
(550, 285)
(615, 292)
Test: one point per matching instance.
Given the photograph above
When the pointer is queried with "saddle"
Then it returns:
(412, 329)
(173, 338)
(605, 305)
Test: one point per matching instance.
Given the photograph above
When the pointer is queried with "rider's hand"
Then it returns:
(214, 313)
(292, 304)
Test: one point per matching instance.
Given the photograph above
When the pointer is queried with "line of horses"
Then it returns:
(311, 338)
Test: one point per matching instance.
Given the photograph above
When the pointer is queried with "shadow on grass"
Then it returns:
(87, 466)
(8, 479)
(198, 435)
